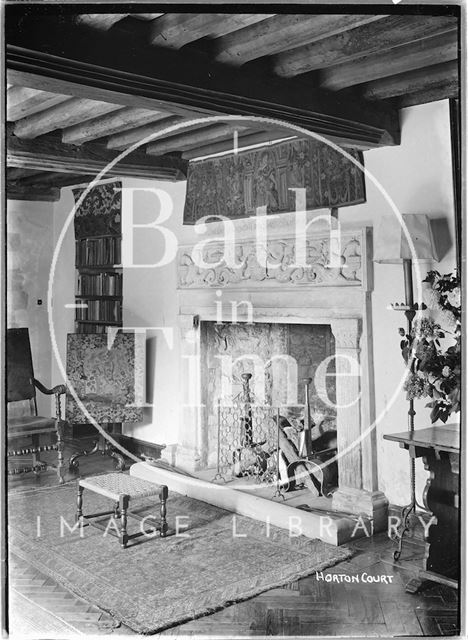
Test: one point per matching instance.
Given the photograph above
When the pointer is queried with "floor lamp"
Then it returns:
(392, 247)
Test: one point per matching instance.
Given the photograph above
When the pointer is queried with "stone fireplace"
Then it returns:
(264, 288)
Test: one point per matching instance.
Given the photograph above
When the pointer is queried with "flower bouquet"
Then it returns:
(434, 367)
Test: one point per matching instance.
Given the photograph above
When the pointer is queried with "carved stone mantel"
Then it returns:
(328, 260)
(329, 291)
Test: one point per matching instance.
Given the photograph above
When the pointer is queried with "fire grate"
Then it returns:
(247, 442)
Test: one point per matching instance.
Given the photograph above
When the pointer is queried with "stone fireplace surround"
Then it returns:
(336, 294)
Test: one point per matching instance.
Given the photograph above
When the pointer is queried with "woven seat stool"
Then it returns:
(121, 488)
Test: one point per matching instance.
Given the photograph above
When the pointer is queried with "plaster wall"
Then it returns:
(29, 247)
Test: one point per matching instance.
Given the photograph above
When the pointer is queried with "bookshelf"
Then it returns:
(99, 274)
(98, 296)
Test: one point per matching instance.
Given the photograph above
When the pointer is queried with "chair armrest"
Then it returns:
(57, 390)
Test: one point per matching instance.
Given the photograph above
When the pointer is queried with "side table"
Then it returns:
(439, 448)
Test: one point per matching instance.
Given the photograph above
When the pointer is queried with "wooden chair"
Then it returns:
(21, 386)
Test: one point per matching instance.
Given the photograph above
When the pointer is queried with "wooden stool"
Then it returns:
(121, 488)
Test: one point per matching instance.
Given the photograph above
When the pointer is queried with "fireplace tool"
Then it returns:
(306, 449)
(298, 466)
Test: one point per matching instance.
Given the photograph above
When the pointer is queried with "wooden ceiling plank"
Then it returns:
(48, 153)
(416, 55)
(125, 139)
(146, 16)
(189, 79)
(117, 121)
(101, 21)
(430, 94)
(283, 32)
(23, 102)
(417, 80)
(227, 144)
(371, 38)
(67, 114)
(188, 140)
(113, 95)
(174, 30)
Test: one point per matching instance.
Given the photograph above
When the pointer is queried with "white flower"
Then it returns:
(446, 371)
(454, 297)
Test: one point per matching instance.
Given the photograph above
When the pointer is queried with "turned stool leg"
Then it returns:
(60, 452)
(123, 506)
(163, 498)
(79, 504)
(35, 457)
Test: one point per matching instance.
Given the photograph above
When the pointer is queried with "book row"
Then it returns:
(99, 251)
(99, 284)
(103, 310)
(92, 328)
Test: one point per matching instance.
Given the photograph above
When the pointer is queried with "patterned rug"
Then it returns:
(160, 582)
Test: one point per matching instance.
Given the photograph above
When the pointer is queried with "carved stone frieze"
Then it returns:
(329, 262)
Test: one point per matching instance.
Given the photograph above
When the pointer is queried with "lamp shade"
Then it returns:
(391, 243)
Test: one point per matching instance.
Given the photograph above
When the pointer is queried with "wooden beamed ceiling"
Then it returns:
(85, 87)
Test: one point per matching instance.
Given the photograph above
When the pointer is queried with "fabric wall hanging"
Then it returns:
(108, 381)
(234, 186)
(100, 213)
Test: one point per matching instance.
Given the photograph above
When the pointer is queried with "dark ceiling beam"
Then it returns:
(23, 102)
(419, 54)
(376, 37)
(16, 173)
(189, 80)
(413, 81)
(53, 179)
(17, 191)
(48, 153)
(174, 30)
(283, 32)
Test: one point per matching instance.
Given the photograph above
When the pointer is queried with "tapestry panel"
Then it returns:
(108, 379)
(236, 185)
(100, 212)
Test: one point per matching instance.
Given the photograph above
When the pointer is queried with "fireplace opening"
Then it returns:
(290, 370)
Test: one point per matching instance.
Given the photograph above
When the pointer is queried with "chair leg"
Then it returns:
(79, 504)
(123, 506)
(163, 499)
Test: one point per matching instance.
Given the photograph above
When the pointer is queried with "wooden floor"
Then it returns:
(41, 608)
